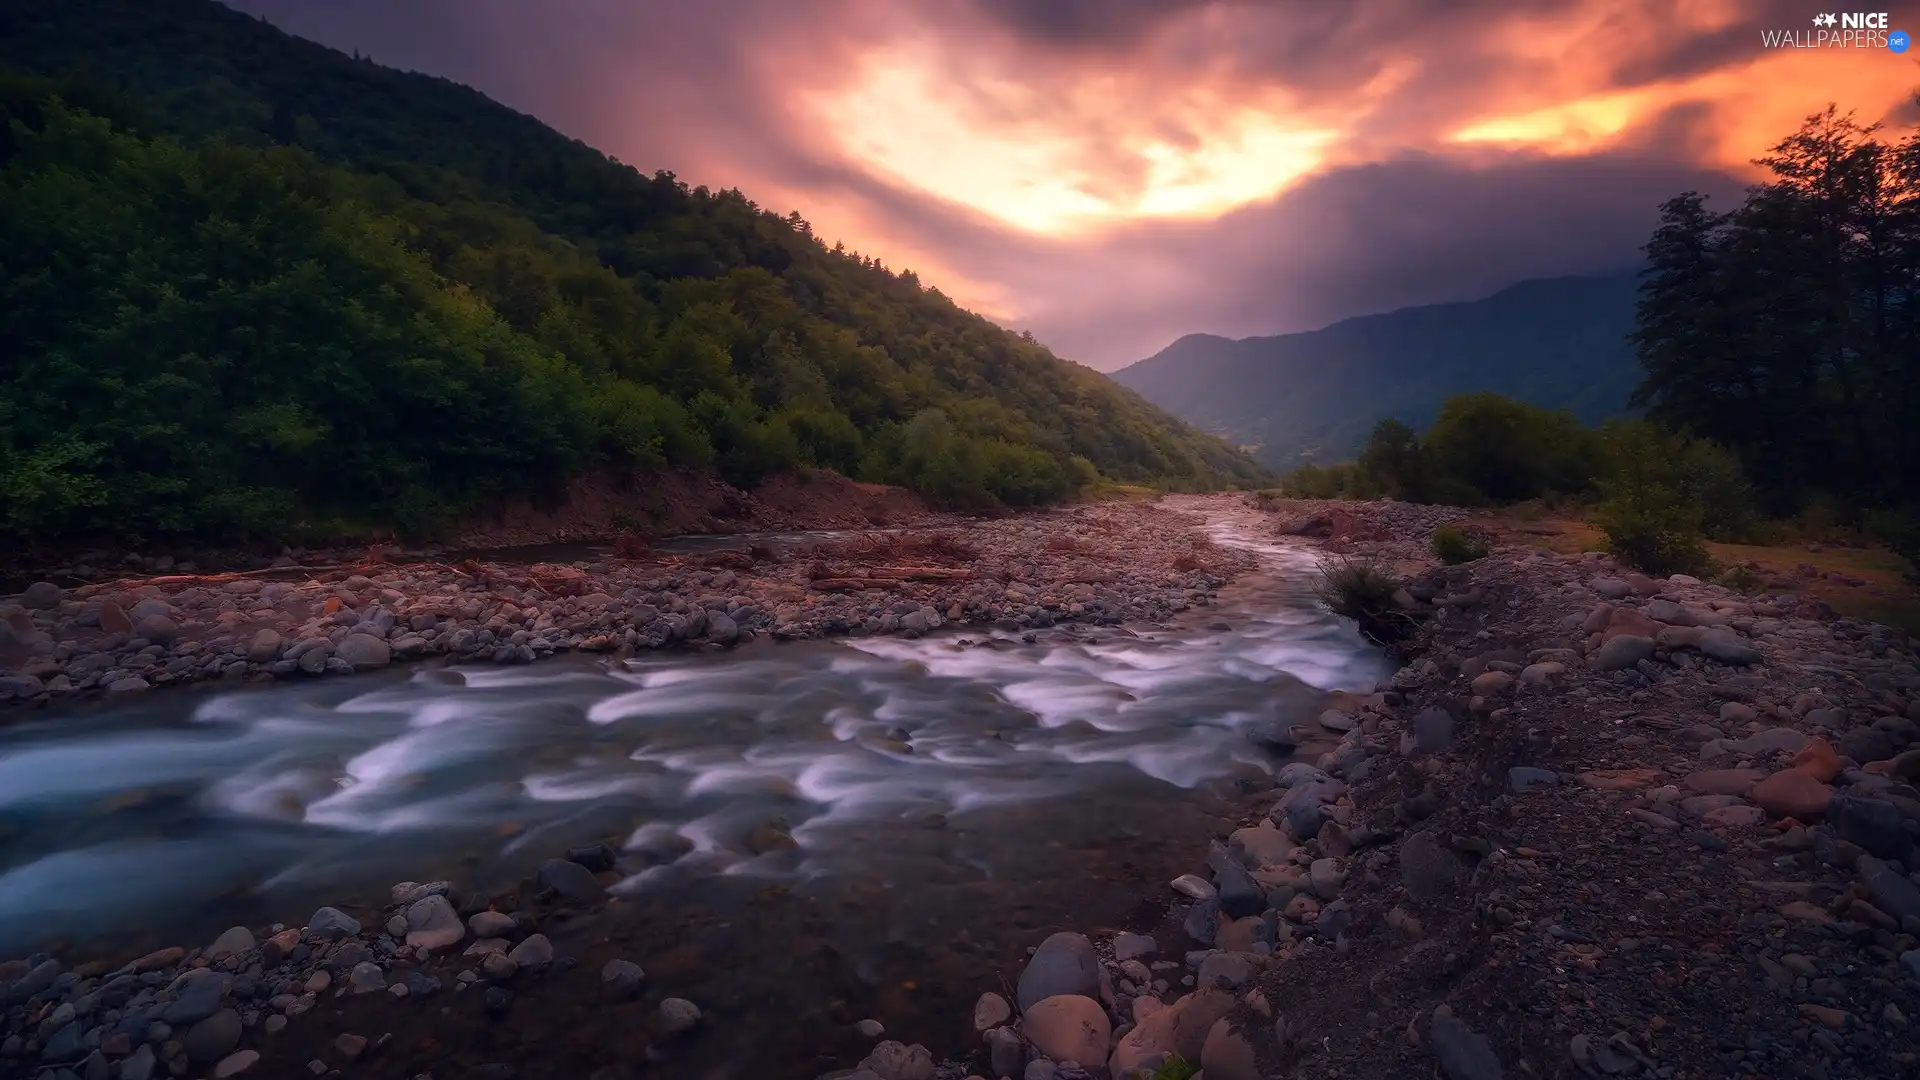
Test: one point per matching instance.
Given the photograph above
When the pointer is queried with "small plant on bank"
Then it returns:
(1453, 546)
(1175, 1068)
(1364, 592)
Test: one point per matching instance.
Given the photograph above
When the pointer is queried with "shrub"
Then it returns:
(1899, 530)
(1654, 529)
(1363, 591)
(1175, 1067)
(1453, 546)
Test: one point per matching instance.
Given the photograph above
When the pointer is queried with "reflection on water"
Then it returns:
(878, 757)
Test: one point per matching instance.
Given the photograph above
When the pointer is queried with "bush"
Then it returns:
(1453, 546)
(1175, 1067)
(1899, 530)
(1363, 591)
(1653, 528)
(1508, 450)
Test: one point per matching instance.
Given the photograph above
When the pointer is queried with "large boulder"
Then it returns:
(1068, 1027)
(1064, 964)
(363, 651)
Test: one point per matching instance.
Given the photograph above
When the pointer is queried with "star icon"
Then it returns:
(1828, 19)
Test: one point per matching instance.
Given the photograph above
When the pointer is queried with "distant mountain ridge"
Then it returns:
(1556, 342)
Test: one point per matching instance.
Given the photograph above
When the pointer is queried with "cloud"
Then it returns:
(1114, 173)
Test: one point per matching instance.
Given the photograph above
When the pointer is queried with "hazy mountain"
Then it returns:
(1556, 342)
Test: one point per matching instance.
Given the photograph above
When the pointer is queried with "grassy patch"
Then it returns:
(1363, 591)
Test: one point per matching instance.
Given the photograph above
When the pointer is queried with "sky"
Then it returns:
(1113, 174)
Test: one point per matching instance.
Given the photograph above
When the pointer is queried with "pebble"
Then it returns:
(677, 1015)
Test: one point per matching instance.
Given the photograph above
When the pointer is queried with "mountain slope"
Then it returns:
(327, 293)
(1557, 342)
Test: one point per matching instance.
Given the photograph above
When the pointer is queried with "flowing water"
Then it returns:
(944, 796)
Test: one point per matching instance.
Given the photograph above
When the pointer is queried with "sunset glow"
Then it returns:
(1114, 174)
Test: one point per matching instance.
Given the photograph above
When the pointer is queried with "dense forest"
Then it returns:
(254, 288)
(1788, 328)
(1779, 346)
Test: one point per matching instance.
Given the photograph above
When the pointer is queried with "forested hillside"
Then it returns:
(253, 287)
(1560, 343)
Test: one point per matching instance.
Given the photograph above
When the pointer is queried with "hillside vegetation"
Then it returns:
(294, 293)
(1313, 397)
(1779, 352)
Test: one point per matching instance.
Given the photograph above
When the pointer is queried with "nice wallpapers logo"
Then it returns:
(1846, 30)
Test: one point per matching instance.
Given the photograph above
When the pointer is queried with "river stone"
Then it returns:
(1728, 647)
(196, 996)
(1463, 1054)
(1877, 827)
(213, 1038)
(1335, 720)
(41, 596)
(367, 977)
(535, 951)
(491, 924)
(1432, 731)
(571, 880)
(363, 651)
(158, 629)
(892, 1060)
(1889, 890)
(1068, 1027)
(678, 1015)
(265, 646)
(433, 924)
(1427, 868)
(1065, 963)
(332, 924)
(1129, 946)
(722, 628)
(1794, 793)
(990, 1011)
(1240, 895)
(1202, 922)
(1226, 1055)
(1524, 778)
(1225, 970)
(1623, 652)
(1006, 1053)
(1325, 877)
(621, 979)
(239, 1061)
(236, 940)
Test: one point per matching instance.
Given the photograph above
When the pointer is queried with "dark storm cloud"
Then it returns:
(727, 93)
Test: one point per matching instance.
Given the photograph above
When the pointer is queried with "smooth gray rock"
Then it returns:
(432, 923)
(363, 651)
(1623, 652)
(41, 596)
(1428, 869)
(1889, 890)
(1065, 963)
(213, 1038)
(621, 979)
(332, 924)
(196, 996)
(1240, 895)
(572, 881)
(1728, 647)
(1522, 778)
(1432, 731)
(1463, 1054)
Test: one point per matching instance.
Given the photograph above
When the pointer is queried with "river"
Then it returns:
(945, 797)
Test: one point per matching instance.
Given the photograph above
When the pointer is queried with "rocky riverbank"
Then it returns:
(1103, 563)
(1598, 826)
